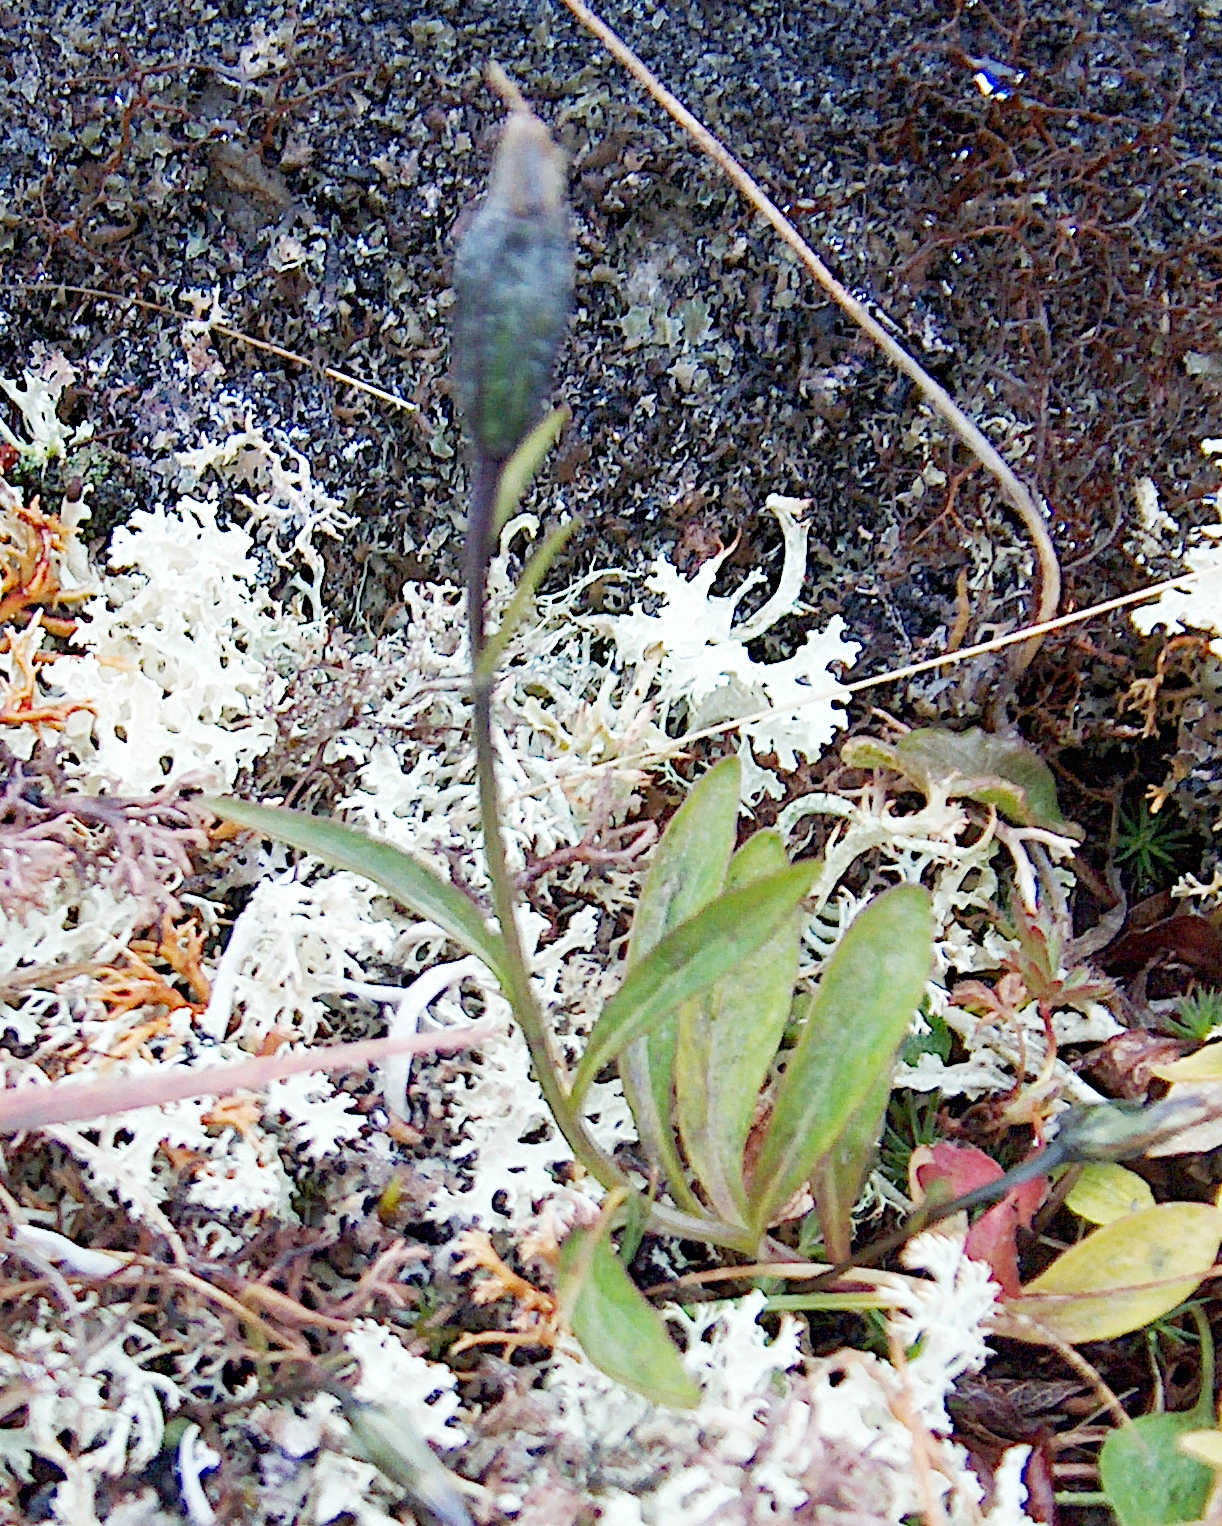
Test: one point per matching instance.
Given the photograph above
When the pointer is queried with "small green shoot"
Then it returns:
(1196, 1017)
(912, 1120)
(1148, 844)
(700, 1018)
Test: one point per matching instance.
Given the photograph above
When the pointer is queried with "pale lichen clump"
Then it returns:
(696, 653)
(184, 668)
(44, 436)
(1198, 606)
(849, 1438)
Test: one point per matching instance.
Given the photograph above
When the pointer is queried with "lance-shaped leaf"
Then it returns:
(870, 990)
(688, 870)
(688, 961)
(727, 1040)
(689, 864)
(837, 1178)
(410, 882)
(619, 1329)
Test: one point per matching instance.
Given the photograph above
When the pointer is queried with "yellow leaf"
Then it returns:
(1204, 1065)
(1203, 1446)
(1085, 1294)
(1106, 1191)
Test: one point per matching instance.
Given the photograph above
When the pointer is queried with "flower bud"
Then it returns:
(513, 275)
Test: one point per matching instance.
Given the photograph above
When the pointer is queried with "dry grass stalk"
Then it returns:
(34, 1107)
(1017, 495)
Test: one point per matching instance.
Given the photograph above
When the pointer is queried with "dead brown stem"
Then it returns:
(35, 1107)
(1015, 492)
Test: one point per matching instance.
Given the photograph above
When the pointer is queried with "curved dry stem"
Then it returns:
(67, 1101)
(1017, 495)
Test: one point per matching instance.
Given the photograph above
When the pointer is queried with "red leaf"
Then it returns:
(962, 1167)
(992, 1237)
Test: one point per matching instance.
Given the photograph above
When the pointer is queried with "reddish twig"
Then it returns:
(36, 1107)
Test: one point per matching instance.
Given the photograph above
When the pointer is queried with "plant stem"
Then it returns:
(481, 535)
(521, 994)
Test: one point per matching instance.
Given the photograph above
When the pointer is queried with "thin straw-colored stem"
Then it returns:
(1016, 494)
(892, 675)
(968, 653)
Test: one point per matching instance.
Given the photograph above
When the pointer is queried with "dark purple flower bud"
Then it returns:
(513, 275)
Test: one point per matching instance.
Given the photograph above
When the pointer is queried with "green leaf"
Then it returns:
(688, 961)
(536, 570)
(1132, 1271)
(937, 1039)
(837, 1178)
(386, 1436)
(689, 864)
(519, 471)
(687, 871)
(413, 884)
(871, 988)
(728, 1039)
(619, 1329)
(1148, 1480)
(973, 765)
